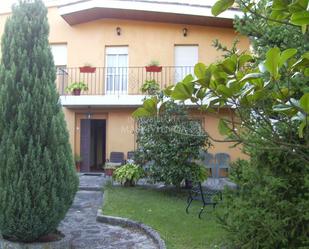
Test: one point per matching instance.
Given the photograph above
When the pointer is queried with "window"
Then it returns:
(116, 70)
(59, 52)
(186, 56)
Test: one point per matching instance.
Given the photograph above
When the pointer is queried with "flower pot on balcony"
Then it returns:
(154, 69)
(76, 91)
(87, 69)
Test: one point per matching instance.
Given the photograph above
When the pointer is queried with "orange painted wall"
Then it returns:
(147, 41)
(120, 129)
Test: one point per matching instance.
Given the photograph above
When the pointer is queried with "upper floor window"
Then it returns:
(185, 58)
(116, 70)
(60, 55)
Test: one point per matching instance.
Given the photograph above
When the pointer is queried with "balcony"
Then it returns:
(118, 80)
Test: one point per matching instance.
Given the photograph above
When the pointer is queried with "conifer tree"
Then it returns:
(37, 177)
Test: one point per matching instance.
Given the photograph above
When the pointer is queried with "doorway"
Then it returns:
(93, 144)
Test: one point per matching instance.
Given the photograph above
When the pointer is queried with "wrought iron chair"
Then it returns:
(206, 196)
(223, 162)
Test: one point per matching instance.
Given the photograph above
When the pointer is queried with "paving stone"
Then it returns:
(80, 222)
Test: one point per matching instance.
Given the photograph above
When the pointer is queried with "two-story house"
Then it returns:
(118, 38)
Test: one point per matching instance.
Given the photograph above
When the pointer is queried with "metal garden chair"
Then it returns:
(206, 196)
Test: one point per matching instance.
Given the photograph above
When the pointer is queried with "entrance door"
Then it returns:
(116, 70)
(92, 144)
(85, 144)
(186, 56)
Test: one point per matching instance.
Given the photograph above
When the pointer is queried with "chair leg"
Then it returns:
(189, 203)
(189, 198)
(200, 213)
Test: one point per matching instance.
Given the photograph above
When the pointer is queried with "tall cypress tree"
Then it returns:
(37, 177)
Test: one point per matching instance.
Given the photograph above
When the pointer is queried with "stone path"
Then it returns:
(80, 222)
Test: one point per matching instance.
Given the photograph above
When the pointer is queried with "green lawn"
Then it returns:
(164, 210)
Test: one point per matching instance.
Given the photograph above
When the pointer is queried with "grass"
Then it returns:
(164, 210)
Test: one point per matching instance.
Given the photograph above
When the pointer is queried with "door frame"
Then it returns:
(84, 115)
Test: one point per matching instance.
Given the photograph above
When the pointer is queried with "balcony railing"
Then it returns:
(118, 80)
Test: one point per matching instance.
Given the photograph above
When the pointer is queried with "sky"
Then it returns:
(5, 4)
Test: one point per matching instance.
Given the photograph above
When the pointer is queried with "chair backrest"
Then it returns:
(117, 157)
(130, 155)
(223, 159)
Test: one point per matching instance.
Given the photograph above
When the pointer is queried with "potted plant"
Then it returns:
(87, 68)
(128, 174)
(150, 87)
(153, 66)
(78, 161)
(109, 170)
(76, 87)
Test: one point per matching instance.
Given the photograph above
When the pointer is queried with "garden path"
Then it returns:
(86, 233)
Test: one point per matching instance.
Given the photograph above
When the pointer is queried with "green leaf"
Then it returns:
(300, 18)
(224, 129)
(243, 59)
(188, 79)
(251, 76)
(168, 90)
(303, 28)
(286, 54)
(304, 102)
(301, 129)
(305, 56)
(150, 105)
(219, 75)
(222, 89)
(228, 66)
(220, 6)
(149, 108)
(298, 5)
(141, 112)
(279, 15)
(200, 70)
(272, 61)
(183, 91)
(280, 5)
(201, 93)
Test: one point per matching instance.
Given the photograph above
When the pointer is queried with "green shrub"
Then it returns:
(128, 174)
(269, 208)
(37, 174)
(170, 143)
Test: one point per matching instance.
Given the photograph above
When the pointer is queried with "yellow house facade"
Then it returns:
(117, 39)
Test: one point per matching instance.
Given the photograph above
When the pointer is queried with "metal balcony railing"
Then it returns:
(118, 80)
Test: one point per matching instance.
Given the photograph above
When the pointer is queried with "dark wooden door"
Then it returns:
(85, 146)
